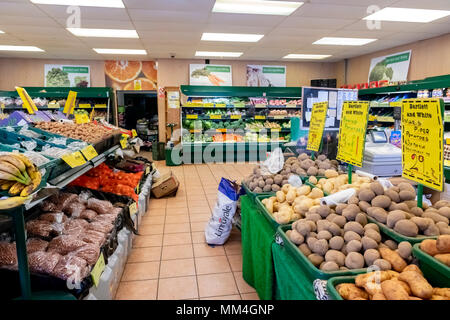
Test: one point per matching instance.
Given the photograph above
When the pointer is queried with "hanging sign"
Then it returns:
(316, 125)
(352, 132)
(70, 102)
(423, 142)
(28, 103)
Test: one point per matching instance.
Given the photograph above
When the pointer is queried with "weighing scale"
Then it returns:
(380, 157)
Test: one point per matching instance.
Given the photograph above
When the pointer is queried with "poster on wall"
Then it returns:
(59, 75)
(266, 76)
(210, 75)
(131, 75)
(393, 67)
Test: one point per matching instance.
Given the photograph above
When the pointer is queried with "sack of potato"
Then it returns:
(407, 284)
(396, 208)
(439, 249)
(335, 183)
(334, 239)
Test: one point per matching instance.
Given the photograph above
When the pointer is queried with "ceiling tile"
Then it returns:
(60, 12)
(254, 20)
(178, 5)
(323, 23)
(20, 9)
(102, 24)
(331, 11)
(168, 26)
(167, 16)
(420, 4)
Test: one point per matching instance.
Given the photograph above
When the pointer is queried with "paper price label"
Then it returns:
(275, 129)
(84, 105)
(260, 105)
(260, 117)
(74, 160)
(100, 106)
(192, 116)
(447, 163)
(147, 170)
(208, 105)
(134, 133)
(70, 102)
(133, 208)
(423, 142)
(81, 118)
(317, 125)
(291, 105)
(279, 117)
(239, 105)
(235, 116)
(89, 152)
(124, 142)
(98, 269)
(28, 103)
(352, 132)
(53, 106)
(215, 116)
(220, 105)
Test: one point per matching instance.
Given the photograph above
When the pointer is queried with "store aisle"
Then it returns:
(170, 259)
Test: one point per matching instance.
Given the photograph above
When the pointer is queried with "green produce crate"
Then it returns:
(435, 270)
(253, 195)
(266, 214)
(397, 236)
(45, 135)
(333, 282)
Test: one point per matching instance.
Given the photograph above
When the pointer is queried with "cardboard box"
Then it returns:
(166, 185)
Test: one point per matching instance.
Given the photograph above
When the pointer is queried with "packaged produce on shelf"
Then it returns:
(227, 137)
(88, 132)
(272, 125)
(408, 284)
(439, 248)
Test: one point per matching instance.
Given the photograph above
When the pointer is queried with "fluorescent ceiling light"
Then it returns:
(2, 31)
(234, 37)
(120, 51)
(105, 33)
(84, 3)
(407, 15)
(217, 54)
(282, 8)
(306, 56)
(20, 48)
(344, 41)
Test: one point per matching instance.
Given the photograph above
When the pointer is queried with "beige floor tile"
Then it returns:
(200, 217)
(150, 229)
(198, 203)
(250, 296)
(156, 212)
(242, 285)
(178, 288)
(224, 298)
(153, 220)
(235, 262)
(177, 211)
(157, 203)
(145, 254)
(177, 252)
(141, 271)
(198, 237)
(213, 285)
(204, 250)
(148, 241)
(198, 226)
(176, 204)
(208, 265)
(196, 197)
(171, 239)
(233, 247)
(177, 228)
(178, 219)
(199, 210)
(137, 290)
(177, 268)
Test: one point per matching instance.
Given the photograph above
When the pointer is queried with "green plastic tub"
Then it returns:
(262, 208)
(397, 236)
(253, 195)
(333, 282)
(434, 270)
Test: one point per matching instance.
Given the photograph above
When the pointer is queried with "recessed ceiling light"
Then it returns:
(306, 56)
(20, 48)
(407, 15)
(2, 31)
(344, 41)
(120, 51)
(217, 54)
(233, 37)
(105, 33)
(282, 8)
(84, 3)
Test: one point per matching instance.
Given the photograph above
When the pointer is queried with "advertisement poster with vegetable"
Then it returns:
(210, 75)
(266, 76)
(57, 75)
(393, 67)
(131, 75)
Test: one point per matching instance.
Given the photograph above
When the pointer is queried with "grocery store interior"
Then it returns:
(224, 150)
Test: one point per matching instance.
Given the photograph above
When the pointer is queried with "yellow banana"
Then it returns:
(14, 161)
(9, 177)
(16, 189)
(7, 185)
(9, 168)
(12, 202)
(35, 176)
(22, 158)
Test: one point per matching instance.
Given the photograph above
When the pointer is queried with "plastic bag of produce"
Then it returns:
(35, 245)
(29, 145)
(43, 262)
(71, 268)
(274, 162)
(39, 228)
(89, 252)
(8, 255)
(88, 214)
(65, 244)
(219, 226)
(74, 209)
(53, 217)
(94, 237)
(100, 206)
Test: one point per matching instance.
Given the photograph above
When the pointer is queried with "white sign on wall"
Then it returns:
(210, 75)
(393, 67)
(266, 76)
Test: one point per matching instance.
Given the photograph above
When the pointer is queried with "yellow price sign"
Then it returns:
(74, 160)
(260, 117)
(423, 142)
(133, 208)
(220, 105)
(84, 105)
(70, 102)
(28, 103)
(124, 141)
(100, 106)
(235, 116)
(89, 152)
(352, 132)
(447, 163)
(215, 116)
(81, 118)
(208, 105)
(260, 105)
(291, 105)
(317, 125)
(134, 133)
(98, 269)
(192, 116)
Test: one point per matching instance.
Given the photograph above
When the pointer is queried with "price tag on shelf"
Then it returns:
(133, 208)
(98, 269)
(447, 163)
(84, 105)
(275, 129)
(215, 116)
(53, 105)
(134, 133)
(89, 152)
(221, 130)
(279, 117)
(192, 116)
(81, 118)
(124, 141)
(100, 106)
(291, 105)
(221, 105)
(239, 105)
(208, 105)
(2, 105)
(28, 103)
(260, 105)
(317, 125)
(260, 117)
(235, 116)
(395, 104)
(74, 160)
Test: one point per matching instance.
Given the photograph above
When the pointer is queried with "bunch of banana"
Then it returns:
(18, 175)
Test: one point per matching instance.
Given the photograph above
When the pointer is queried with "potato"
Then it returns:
(416, 211)
(404, 249)
(312, 180)
(320, 247)
(407, 195)
(394, 259)
(391, 244)
(443, 292)
(406, 228)
(370, 256)
(354, 226)
(412, 267)
(444, 229)
(334, 229)
(362, 280)
(313, 217)
(373, 234)
(315, 259)
(444, 211)
(399, 206)
(303, 228)
(361, 219)
(377, 188)
(378, 296)
(354, 246)
(411, 203)
(395, 216)
(381, 201)
(324, 234)
(312, 171)
(351, 235)
(393, 290)
(353, 200)
(281, 196)
(382, 264)
(303, 190)
(378, 214)
(392, 194)
(364, 205)
(349, 291)
(435, 216)
(444, 258)
(432, 230)
(290, 196)
(340, 207)
(296, 237)
(340, 221)
(443, 244)
(275, 188)
(368, 243)
(366, 195)
(372, 226)
(329, 266)
(305, 249)
(436, 297)
(405, 186)
(267, 188)
(418, 284)
(316, 193)
(330, 173)
(354, 260)
(258, 190)
(422, 223)
(336, 243)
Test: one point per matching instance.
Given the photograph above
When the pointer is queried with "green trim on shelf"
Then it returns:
(232, 91)
(62, 92)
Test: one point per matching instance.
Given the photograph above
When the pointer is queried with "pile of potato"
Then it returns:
(258, 182)
(340, 182)
(333, 239)
(304, 166)
(407, 284)
(291, 203)
(397, 208)
(439, 249)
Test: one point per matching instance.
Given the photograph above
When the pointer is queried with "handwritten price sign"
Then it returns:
(423, 142)
(317, 124)
(352, 132)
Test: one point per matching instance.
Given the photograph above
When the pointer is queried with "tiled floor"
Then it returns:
(170, 259)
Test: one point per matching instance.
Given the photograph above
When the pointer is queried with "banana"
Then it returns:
(6, 185)
(35, 176)
(10, 177)
(12, 202)
(22, 158)
(9, 168)
(16, 189)
(14, 161)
